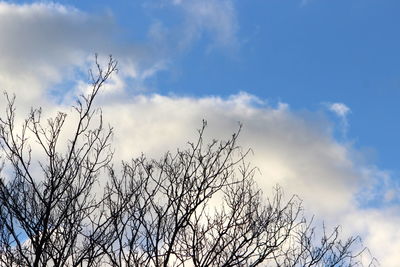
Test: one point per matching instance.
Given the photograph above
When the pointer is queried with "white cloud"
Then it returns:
(339, 109)
(342, 111)
(379, 230)
(296, 152)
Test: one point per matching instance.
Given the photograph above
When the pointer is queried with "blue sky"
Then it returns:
(316, 84)
(303, 53)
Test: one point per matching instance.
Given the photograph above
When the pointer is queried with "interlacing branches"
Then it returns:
(47, 215)
(201, 207)
(196, 207)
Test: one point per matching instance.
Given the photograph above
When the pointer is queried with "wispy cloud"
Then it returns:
(212, 20)
(342, 111)
(305, 2)
(214, 17)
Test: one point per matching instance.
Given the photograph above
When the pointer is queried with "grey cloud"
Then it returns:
(38, 37)
(44, 44)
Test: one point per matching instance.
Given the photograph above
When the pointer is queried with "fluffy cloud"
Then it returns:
(291, 150)
(42, 39)
(294, 151)
(45, 44)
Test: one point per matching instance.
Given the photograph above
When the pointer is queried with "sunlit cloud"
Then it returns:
(50, 47)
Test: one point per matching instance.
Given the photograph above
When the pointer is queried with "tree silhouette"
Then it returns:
(196, 207)
(51, 219)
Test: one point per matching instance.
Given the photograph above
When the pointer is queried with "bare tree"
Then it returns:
(196, 207)
(48, 218)
(201, 207)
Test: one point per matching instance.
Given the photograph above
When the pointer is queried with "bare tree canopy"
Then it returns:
(196, 207)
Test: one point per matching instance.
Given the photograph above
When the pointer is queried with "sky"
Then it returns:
(315, 83)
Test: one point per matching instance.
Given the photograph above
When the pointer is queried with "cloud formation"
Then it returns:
(42, 39)
(49, 44)
(339, 109)
(295, 152)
